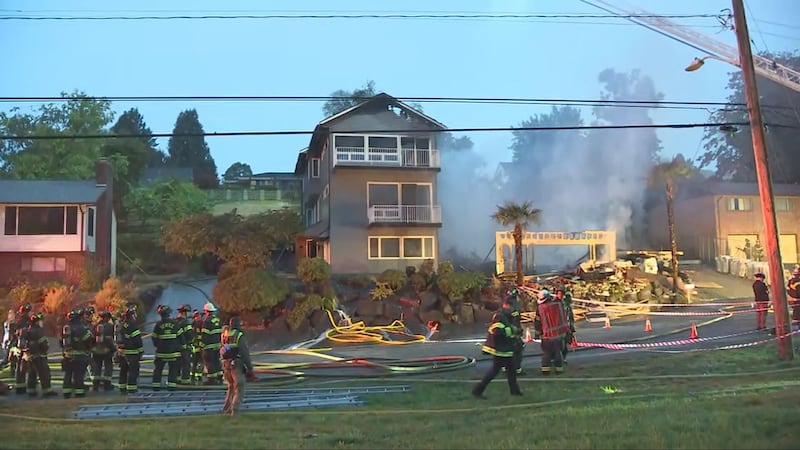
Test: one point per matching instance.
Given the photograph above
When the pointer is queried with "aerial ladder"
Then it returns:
(714, 48)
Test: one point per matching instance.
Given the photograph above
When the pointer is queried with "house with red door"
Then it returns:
(53, 229)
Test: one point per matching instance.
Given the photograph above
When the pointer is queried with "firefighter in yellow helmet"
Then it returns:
(236, 364)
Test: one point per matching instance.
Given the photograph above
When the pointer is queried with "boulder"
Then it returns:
(367, 308)
(277, 325)
(466, 314)
(428, 301)
(434, 315)
(483, 316)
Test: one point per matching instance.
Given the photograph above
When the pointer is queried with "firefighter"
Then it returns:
(34, 357)
(512, 294)
(76, 342)
(761, 297)
(212, 330)
(565, 297)
(88, 316)
(20, 325)
(187, 337)
(103, 352)
(167, 341)
(236, 364)
(197, 347)
(551, 326)
(793, 289)
(500, 344)
(8, 332)
(128, 337)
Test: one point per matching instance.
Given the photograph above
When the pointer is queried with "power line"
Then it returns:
(357, 16)
(468, 100)
(376, 132)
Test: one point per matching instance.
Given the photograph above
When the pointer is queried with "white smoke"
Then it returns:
(595, 180)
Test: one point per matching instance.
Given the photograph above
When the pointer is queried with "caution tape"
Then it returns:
(603, 303)
(694, 313)
(727, 347)
(675, 343)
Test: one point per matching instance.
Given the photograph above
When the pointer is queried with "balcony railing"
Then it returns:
(386, 157)
(404, 214)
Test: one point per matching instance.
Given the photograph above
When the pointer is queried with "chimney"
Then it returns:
(103, 173)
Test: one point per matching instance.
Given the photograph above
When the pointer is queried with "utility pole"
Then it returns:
(778, 290)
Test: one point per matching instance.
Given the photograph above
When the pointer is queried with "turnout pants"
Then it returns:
(761, 315)
(102, 369)
(795, 302)
(38, 370)
(233, 371)
(172, 373)
(552, 358)
(185, 367)
(212, 363)
(519, 347)
(565, 343)
(129, 373)
(20, 370)
(74, 375)
(499, 363)
(197, 364)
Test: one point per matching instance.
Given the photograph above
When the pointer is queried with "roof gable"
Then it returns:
(389, 100)
(54, 192)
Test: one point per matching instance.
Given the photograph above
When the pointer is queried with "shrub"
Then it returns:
(457, 285)
(302, 309)
(25, 292)
(381, 291)
(315, 273)
(114, 296)
(394, 279)
(250, 289)
(58, 300)
(91, 275)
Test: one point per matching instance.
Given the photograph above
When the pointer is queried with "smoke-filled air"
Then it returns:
(579, 179)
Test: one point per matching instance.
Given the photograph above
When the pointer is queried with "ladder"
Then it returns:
(765, 67)
(265, 393)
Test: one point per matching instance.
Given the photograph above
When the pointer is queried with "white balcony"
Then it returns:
(386, 157)
(404, 214)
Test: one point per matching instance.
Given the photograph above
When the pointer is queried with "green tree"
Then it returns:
(249, 289)
(343, 99)
(238, 170)
(241, 242)
(171, 199)
(67, 158)
(667, 174)
(138, 152)
(188, 148)
(520, 215)
(732, 151)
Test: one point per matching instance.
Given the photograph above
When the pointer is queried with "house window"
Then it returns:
(739, 204)
(43, 264)
(398, 194)
(41, 220)
(401, 247)
(314, 167)
(90, 222)
(784, 204)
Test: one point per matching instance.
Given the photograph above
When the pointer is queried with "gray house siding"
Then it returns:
(350, 228)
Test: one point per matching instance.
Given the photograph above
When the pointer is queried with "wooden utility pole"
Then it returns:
(777, 288)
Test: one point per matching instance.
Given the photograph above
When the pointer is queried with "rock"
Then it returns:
(466, 314)
(429, 301)
(320, 321)
(369, 309)
(434, 315)
(629, 297)
(277, 325)
(483, 316)
(644, 294)
(447, 309)
(391, 310)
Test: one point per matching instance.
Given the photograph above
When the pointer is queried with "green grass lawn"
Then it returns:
(695, 400)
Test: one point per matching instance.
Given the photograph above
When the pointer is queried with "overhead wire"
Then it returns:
(50, 137)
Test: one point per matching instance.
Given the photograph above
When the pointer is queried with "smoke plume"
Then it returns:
(581, 180)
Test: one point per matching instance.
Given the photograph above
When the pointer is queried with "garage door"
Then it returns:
(736, 244)
(789, 248)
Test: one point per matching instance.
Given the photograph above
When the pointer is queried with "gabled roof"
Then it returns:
(300, 165)
(389, 99)
(56, 192)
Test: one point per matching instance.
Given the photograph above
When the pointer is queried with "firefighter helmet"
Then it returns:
(209, 307)
(35, 317)
(235, 322)
(184, 308)
(25, 308)
(74, 314)
(105, 314)
(543, 294)
(164, 310)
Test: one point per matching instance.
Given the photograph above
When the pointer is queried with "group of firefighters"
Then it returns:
(554, 325)
(188, 345)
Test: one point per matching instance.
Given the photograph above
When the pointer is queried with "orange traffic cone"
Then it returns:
(574, 343)
(528, 337)
(647, 326)
(608, 323)
(694, 332)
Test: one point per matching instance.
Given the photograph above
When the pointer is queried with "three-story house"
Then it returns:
(369, 188)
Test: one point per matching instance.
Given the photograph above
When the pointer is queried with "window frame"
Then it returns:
(733, 204)
(66, 228)
(401, 243)
(315, 167)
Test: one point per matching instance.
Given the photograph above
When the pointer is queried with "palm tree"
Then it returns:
(667, 174)
(520, 215)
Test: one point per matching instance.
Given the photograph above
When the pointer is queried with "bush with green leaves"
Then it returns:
(170, 199)
(24, 292)
(381, 291)
(305, 306)
(395, 279)
(458, 285)
(314, 272)
(249, 289)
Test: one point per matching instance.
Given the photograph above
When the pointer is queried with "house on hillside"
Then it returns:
(51, 227)
(718, 218)
(152, 175)
(281, 181)
(369, 197)
(257, 193)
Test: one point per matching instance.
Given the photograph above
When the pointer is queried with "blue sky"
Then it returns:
(531, 58)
